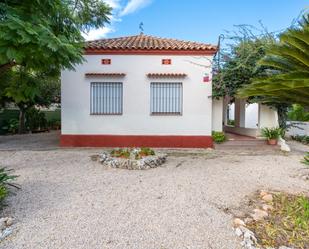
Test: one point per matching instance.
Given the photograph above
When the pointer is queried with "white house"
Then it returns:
(141, 91)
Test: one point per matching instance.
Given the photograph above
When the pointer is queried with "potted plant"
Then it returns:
(272, 134)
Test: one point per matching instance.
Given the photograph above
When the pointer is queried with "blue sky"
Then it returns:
(196, 20)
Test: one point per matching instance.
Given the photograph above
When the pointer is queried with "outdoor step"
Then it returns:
(256, 147)
(246, 142)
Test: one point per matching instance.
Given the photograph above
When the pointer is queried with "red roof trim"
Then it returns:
(105, 75)
(166, 75)
(148, 52)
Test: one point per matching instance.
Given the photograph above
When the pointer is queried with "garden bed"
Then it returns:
(132, 159)
(278, 220)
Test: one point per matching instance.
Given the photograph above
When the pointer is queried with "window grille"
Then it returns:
(166, 98)
(106, 98)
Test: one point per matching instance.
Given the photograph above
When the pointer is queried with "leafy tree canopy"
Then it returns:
(46, 34)
(286, 78)
(38, 38)
(237, 59)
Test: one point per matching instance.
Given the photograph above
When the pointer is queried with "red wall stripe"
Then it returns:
(136, 141)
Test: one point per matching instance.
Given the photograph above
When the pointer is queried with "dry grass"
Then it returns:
(286, 225)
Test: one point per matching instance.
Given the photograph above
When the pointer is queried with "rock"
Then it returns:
(132, 163)
(305, 177)
(238, 232)
(263, 193)
(259, 214)
(6, 232)
(267, 198)
(283, 145)
(248, 220)
(3, 223)
(267, 207)
(238, 222)
(9, 222)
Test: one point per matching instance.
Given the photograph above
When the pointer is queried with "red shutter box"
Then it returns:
(106, 61)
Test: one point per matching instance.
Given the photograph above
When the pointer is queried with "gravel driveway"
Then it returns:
(68, 201)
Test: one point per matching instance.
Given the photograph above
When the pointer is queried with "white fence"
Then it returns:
(298, 128)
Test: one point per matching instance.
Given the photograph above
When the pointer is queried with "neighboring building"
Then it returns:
(141, 91)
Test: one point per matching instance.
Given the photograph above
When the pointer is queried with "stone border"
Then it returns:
(144, 163)
(249, 240)
(5, 227)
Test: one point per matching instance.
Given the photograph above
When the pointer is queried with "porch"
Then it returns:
(241, 118)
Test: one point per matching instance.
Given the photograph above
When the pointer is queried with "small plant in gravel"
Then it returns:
(123, 153)
(218, 137)
(6, 181)
(144, 151)
(306, 159)
(287, 223)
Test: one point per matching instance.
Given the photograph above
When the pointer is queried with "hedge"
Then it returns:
(7, 114)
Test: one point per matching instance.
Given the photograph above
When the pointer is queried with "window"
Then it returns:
(106, 98)
(166, 98)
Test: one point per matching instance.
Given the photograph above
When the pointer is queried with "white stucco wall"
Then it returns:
(298, 128)
(136, 119)
(217, 114)
(252, 115)
(268, 117)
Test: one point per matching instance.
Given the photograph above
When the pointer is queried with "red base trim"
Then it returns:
(136, 141)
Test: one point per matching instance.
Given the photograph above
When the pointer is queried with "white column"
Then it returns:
(225, 108)
(240, 112)
(217, 114)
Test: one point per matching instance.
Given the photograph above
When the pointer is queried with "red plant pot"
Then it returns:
(272, 141)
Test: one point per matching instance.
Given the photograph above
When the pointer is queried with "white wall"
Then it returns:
(252, 115)
(267, 117)
(299, 128)
(136, 118)
(217, 114)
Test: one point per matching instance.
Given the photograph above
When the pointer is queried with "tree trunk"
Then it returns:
(21, 128)
(282, 111)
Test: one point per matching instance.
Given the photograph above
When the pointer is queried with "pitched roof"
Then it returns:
(148, 43)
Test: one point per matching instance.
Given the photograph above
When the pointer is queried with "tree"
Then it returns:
(38, 38)
(286, 75)
(46, 34)
(27, 89)
(236, 60)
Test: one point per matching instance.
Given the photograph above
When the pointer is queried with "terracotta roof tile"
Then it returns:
(166, 75)
(119, 75)
(146, 42)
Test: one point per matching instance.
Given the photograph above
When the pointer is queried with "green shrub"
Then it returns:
(35, 120)
(123, 153)
(5, 116)
(272, 133)
(144, 151)
(218, 136)
(298, 113)
(231, 122)
(6, 179)
(306, 159)
(11, 126)
(302, 139)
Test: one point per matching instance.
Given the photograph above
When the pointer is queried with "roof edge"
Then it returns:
(150, 52)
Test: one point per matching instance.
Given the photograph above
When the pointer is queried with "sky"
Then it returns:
(196, 20)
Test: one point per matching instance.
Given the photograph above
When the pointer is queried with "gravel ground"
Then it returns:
(68, 201)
